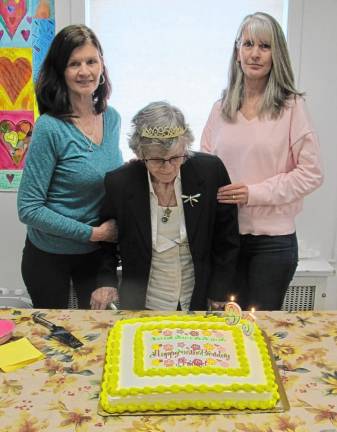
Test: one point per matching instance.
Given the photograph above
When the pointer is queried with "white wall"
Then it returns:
(70, 12)
(138, 77)
(12, 235)
(314, 54)
(313, 51)
(316, 71)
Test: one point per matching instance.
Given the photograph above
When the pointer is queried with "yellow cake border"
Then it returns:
(139, 369)
(111, 376)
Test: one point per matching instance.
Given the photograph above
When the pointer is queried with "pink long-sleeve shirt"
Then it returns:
(278, 159)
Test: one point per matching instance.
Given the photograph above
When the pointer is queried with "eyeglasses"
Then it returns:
(159, 162)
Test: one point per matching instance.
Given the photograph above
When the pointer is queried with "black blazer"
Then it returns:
(212, 231)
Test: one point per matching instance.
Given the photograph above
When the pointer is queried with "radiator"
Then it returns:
(308, 289)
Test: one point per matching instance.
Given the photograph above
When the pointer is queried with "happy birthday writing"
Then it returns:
(180, 352)
(178, 337)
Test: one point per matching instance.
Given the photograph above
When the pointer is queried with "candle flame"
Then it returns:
(252, 309)
(232, 298)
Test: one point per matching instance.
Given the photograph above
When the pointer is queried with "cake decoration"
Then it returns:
(233, 315)
(187, 361)
(181, 349)
(248, 325)
(233, 312)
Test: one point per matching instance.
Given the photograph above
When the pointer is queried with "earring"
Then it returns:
(101, 80)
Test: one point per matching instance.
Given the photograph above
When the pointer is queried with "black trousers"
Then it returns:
(266, 266)
(48, 276)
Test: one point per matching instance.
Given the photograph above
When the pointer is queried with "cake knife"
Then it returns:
(57, 332)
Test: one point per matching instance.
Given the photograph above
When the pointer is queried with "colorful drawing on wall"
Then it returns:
(27, 28)
(43, 9)
(43, 32)
(12, 12)
(15, 133)
(15, 23)
(16, 84)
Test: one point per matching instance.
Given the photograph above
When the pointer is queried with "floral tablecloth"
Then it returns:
(60, 393)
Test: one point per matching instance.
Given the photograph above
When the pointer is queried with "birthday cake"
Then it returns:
(183, 362)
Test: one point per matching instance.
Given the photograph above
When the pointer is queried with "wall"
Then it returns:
(311, 38)
(71, 12)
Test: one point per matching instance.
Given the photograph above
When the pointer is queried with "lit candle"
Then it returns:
(248, 323)
(233, 312)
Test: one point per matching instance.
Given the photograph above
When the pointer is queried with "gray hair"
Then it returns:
(158, 115)
(280, 86)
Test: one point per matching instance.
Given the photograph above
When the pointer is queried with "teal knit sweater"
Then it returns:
(62, 185)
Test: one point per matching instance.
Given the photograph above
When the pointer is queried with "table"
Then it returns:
(60, 393)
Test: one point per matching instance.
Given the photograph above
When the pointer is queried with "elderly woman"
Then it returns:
(178, 245)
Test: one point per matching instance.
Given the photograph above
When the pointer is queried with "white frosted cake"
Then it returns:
(182, 362)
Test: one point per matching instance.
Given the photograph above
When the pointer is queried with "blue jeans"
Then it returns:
(266, 266)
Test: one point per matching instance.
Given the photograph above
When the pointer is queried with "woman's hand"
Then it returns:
(107, 231)
(235, 193)
(102, 297)
(215, 305)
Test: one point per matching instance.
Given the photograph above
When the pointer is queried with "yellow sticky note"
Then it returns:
(14, 355)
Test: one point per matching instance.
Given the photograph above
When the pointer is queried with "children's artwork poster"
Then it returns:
(15, 132)
(16, 79)
(42, 35)
(18, 19)
(27, 28)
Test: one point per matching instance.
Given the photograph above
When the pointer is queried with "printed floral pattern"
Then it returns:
(60, 393)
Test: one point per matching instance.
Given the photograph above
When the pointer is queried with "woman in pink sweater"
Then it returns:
(261, 131)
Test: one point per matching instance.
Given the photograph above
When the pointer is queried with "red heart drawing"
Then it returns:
(15, 138)
(12, 13)
(14, 76)
(10, 177)
(25, 34)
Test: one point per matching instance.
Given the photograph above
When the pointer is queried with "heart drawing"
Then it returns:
(10, 177)
(15, 138)
(25, 34)
(12, 13)
(14, 75)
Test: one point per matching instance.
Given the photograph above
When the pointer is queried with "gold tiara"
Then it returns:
(163, 132)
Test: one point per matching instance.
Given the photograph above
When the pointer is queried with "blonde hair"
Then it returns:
(280, 86)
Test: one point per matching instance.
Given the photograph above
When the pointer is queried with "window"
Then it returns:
(175, 50)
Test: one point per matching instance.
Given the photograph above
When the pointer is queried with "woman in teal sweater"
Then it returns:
(74, 143)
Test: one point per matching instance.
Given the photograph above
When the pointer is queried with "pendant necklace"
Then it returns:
(167, 211)
(166, 215)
